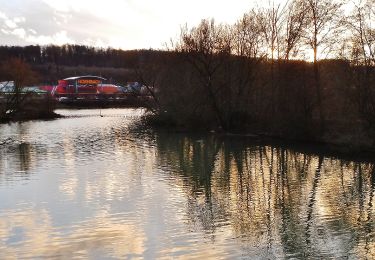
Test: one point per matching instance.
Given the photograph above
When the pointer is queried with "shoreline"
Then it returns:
(342, 151)
(23, 118)
(347, 151)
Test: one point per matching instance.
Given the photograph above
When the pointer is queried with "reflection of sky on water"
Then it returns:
(93, 187)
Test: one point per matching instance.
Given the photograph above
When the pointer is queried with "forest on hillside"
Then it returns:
(54, 62)
(74, 55)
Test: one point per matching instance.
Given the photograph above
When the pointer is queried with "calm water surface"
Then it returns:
(96, 187)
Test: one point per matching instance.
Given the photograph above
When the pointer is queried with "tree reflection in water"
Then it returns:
(306, 204)
(102, 189)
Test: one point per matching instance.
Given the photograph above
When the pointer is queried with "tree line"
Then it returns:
(73, 55)
(303, 69)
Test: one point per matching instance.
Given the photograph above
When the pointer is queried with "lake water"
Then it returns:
(87, 186)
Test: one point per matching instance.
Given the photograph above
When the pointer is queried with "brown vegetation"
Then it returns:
(19, 104)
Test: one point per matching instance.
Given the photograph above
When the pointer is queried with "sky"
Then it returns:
(125, 24)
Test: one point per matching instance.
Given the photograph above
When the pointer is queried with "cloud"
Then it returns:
(19, 32)
(62, 6)
(5, 31)
(124, 24)
(32, 31)
(19, 19)
(10, 24)
(95, 42)
(59, 38)
(16, 30)
(3, 16)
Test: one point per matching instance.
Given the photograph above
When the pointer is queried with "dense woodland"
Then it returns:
(73, 55)
(56, 62)
(302, 70)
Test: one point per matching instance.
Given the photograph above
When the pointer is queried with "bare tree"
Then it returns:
(325, 22)
(294, 23)
(362, 58)
(321, 33)
(293, 102)
(270, 21)
(205, 48)
(149, 72)
(20, 72)
(247, 40)
(247, 48)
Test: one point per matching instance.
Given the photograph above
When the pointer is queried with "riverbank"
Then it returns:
(29, 107)
(342, 142)
(42, 107)
(26, 115)
(128, 102)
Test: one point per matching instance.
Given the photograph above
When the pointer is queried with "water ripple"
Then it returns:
(86, 186)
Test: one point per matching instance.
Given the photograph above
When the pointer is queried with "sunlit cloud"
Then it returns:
(62, 18)
(58, 38)
(10, 24)
(20, 32)
(2, 15)
(94, 42)
(5, 31)
(62, 6)
(19, 19)
(32, 31)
